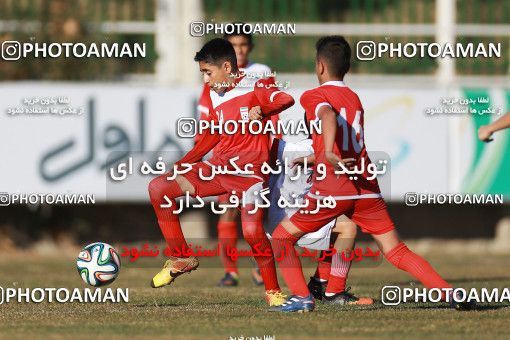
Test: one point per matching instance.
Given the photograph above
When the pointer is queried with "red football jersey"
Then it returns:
(349, 142)
(233, 105)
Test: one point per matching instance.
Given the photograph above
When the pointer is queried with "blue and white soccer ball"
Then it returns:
(98, 264)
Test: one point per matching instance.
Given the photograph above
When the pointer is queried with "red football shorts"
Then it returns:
(370, 214)
(220, 184)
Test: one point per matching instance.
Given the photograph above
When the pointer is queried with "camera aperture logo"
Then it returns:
(5, 199)
(15, 50)
(11, 50)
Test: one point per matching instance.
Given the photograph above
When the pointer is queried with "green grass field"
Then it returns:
(194, 308)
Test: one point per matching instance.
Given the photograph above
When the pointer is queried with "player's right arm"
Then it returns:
(485, 131)
(329, 129)
(203, 107)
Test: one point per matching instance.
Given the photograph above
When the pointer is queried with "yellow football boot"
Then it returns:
(174, 267)
(275, 297)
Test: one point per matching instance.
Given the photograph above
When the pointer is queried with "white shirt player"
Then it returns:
(296, 189)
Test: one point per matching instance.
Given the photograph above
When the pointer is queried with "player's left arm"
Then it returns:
(272, 100)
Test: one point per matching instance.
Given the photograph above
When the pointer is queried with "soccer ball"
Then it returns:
(98, 264)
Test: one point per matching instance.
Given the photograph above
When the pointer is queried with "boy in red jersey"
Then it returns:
(340, 146)
(227, 222)
(328, 284)
(233, 100)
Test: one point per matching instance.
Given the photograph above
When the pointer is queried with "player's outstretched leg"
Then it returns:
(397, 253)
(253, 232)
(171, 229)
(227, 238)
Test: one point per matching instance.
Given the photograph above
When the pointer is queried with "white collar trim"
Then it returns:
(334, 83)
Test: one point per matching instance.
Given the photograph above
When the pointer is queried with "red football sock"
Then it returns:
(227, 237)
(167, 220)
(254, 234)
(289, 262)
(338, 277)
(323, 269)
(403, 258)
(336, 284)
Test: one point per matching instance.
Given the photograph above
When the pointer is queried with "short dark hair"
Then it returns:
(238, 31)
(217, 51)
(336, 53)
